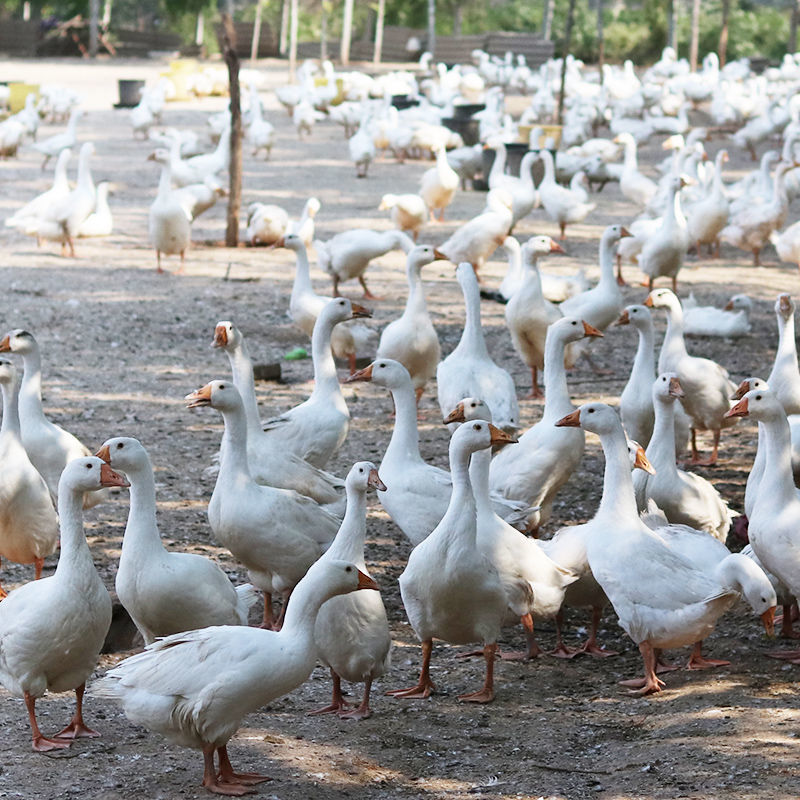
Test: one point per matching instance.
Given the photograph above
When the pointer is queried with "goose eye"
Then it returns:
(88, 466)
(476, 427)
(758, 397)
(574, 323)
(120, 445)
(591, 411)
(222, 386)
(348, 569)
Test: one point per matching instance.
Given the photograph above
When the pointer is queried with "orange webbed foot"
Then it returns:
(41, 744)
(418, 692)
(483, 696)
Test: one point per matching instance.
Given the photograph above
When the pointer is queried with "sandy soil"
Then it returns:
(122, 346)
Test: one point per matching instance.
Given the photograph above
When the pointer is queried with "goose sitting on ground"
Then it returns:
(163, 688)
(352, 632)
(51, 630)
(49, 447)
(166, 592)
(100, 222)
(729, 322)
(28, 524)
(347, 255)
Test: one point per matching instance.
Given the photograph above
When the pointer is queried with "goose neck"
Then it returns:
(472, 338)
(74, 550)
(661, 450)
(777, 484)
(10, 424)
(233, 453)
(415, 303)
(644, 362)
(631, 160)
(404, 444)
(479, 467)
(674, 346)
(242, 371)
(30, 393)
(325, 379)
(165, 181)
(142, 527)
(787, 348)
(349, 542)
(549, 167)
(618, 497)
(607, 251)
(462, 499)
(557, 402)
(499, 165)
(302, 273)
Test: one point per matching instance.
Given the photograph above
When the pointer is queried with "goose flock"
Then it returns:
(489, 547)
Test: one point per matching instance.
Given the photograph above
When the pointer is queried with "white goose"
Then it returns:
(270, 465)
(51, 630)
(407, 211)
(522, 190)
(53, 145)
(546, 456)
(165, 592)
(708, 216)
(412, 340)
(352, 632)
(684, 497)
(635, 186)
(169, 222)
(450, 590)
(28, 525)
(41, 207)
(706, 384)
(438, 185)
(100, 222)
(49, 447)
(167, 687)
(276, 534)
(730, 322)
(469, 370)
(784, 379)
(562, 205)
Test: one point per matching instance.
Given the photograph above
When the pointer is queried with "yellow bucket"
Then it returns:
(17, 94)
(548, 132)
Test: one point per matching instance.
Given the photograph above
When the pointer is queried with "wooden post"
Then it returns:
(256, 32)
(432, 27)
(793, 24)
(564, 54)
(235, 163)
(377, 52)
(347, 32)
(672, 25)
(294, 12)
(284, 34)
(694, 40)
(323, 31)
(601, 44)
(94, 24)
(547, 20)
(722, 50)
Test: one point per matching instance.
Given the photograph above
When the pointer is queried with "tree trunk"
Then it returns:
(376, 55)
(672, 28)
(106, 20)
(722, 50)
(235, 163)
(458, 19)
(94, 22)
(564, 54)
(294, 21)
(601, 44)
(547, 20)
(794, 20)
(284, 35)
(256, 32)
(694, 40)
(200, 29)
(431, 27)
(347, 32)
(323, 32)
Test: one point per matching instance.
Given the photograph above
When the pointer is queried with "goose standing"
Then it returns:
(438, 185)
(635, 186)
(352, 631)
(412, 340)
(42, 205)
(49, 447)
(275, 533)
(195, 687)
(169, 222)
(407, 212)
(784, 379)
(450, 590)
(51, 630)
(705, 383)
(562, 205)
(53, 145)
(100, 222)
(361, 147)
(469, 370)
(28, 524)
(165, 592)
(708, 216)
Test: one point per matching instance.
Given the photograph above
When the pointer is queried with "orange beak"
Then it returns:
(725, 157)
(741, 390)
(279, 243)
(5, 344)
(555, 247)
(641, 461)
(589, 330)
(110, 478)
(365, 582)
(220, 337)
(624, 232)
(456, 415)
(572, 420)
(501, 437)
(729, 306)
(439, 255)
(624, 318)
(104, 454)
(200, 397)
(675, 389)
(649, 301)
(784, 304)
(768, 618)
(360, 311)
(739, 410)
(362, 375)
(375, 481)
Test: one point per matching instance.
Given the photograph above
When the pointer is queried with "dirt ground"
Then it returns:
(122, 346)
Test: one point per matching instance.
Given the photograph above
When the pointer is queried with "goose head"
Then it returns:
(637, 315)
(739, 302)
(124, 453)
(8, 373)
(89, 474)
(363, 475)
(761, 404)
(221, 395)
(638, 457)
(613, 233)
(749, 579)
(384, 372)
(341, 309)
(312, 207)
(784, 306)
(332, 577)
(538, 246)
(159, 155)
(571, 329)
(18, 341)
(468, 409)
(291, 241)
(747, 385)
(667, 388)
(595, 417)
(479, 435)
(423, 254)
(226, 335)
(662, 298)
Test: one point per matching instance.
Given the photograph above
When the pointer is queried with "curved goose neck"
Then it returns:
(404, 443)
(472, 338)
(10, 424)
(349, 542)
(787, 347)
(325, 379)
(242, 371)
(777, 484)
(618, 497)
(631, 160)
(142, 527)
(525, 167)
(557, 403)
(30, 393)
(549, 167)
(301, 615)
(233, 453)
(644, 362)
(302, 273)
(499, 165)
(462, 500)
(479, 467)
(74, 555)
(661, 450)
(415, 303)
(607, 250)
(674, 346)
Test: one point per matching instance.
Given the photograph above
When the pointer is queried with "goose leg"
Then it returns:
(535, 390)
(158, 262)
(41, 744)
(267, 620)
(756, 256)
(697, 661)
(533, 650)
(367, 293)
(620, 279)
(351, 362)
(786, 622)
(363, 711)
(590, 646)
(337, 701)
(712, 459)
(212, 783)
(336, 286)
(561, 650)
(38, 566)
(675, 284)
(3, 592)
(227, 775)
(182, 267)
(424, 685)
(486, 694)
(651, 682)
(77, 728)
(418, 394)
